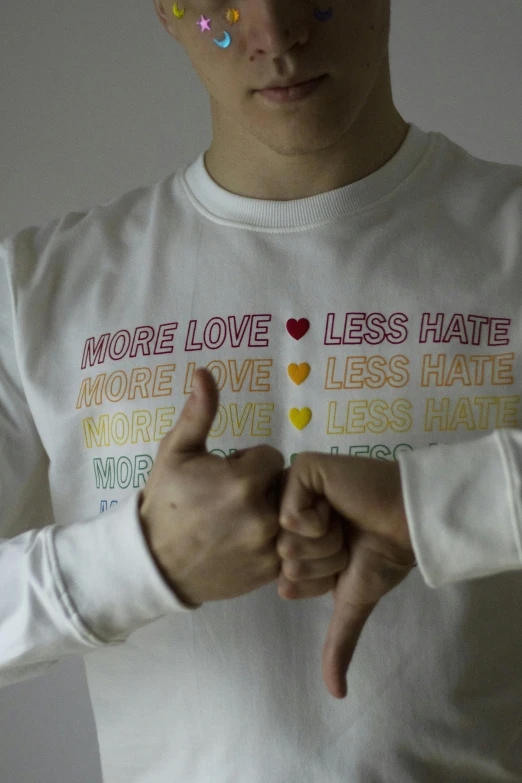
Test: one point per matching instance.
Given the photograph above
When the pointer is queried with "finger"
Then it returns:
(345, 628)
(339, 647)
(310, 523)
(303, 509)
(303, 570)
(308, 589)
(369, 576)
(292, 546)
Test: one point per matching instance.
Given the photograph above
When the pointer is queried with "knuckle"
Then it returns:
(261, 533)
(255, 535)
(268, 455)
(262, 538)
(300, 458)
(275, 455)
(294, 570)
(287, 547)
(244, 490)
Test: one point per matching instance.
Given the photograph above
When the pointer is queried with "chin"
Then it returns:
(300, 143)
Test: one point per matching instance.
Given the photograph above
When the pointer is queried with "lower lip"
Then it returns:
(288, 94)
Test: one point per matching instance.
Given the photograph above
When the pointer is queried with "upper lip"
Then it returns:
(290, 83)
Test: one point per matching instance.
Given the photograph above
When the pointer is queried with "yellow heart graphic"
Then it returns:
(300, 418)
(299, 373)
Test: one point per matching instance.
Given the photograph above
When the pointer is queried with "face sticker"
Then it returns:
(323, 16)
(232, 16)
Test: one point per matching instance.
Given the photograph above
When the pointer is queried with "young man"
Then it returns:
(352, 282)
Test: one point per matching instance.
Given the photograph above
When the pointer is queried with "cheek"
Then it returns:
(204, 31)
(222, 31)
(216, 67)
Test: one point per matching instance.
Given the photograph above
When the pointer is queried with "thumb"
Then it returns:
(191, 430)
(371, 573)
(356, 594)
(346, 625)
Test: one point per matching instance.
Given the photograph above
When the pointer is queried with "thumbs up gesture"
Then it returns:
(367, 494)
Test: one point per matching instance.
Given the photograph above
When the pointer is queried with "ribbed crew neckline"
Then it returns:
(223, 206)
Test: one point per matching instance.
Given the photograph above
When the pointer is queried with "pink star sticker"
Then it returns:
(204, 24)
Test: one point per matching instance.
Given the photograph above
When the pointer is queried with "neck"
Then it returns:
(263, 173)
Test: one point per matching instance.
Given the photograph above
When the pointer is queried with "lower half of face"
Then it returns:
(345, 40)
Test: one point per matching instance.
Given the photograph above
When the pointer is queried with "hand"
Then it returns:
(310, 565)
(209, 522)
(367, 493)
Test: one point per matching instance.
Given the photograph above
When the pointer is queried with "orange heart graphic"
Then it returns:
(300, 418)
(299, 373)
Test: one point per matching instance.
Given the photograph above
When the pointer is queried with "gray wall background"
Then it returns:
(97, 99)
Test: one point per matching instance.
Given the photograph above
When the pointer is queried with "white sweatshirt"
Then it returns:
(382, 319)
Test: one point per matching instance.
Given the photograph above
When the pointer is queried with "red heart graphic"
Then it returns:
(297, 328)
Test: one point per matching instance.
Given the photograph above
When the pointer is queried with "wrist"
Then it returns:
(157, 560)
(401, 528)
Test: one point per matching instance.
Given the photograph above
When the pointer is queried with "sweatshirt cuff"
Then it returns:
(110, 575)
(462, 506)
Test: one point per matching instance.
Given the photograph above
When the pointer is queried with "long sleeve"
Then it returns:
(64, 589)
(463, 505)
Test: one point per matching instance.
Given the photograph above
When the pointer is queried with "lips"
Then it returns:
(284, 95)
(299, 84)
(288, 86)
